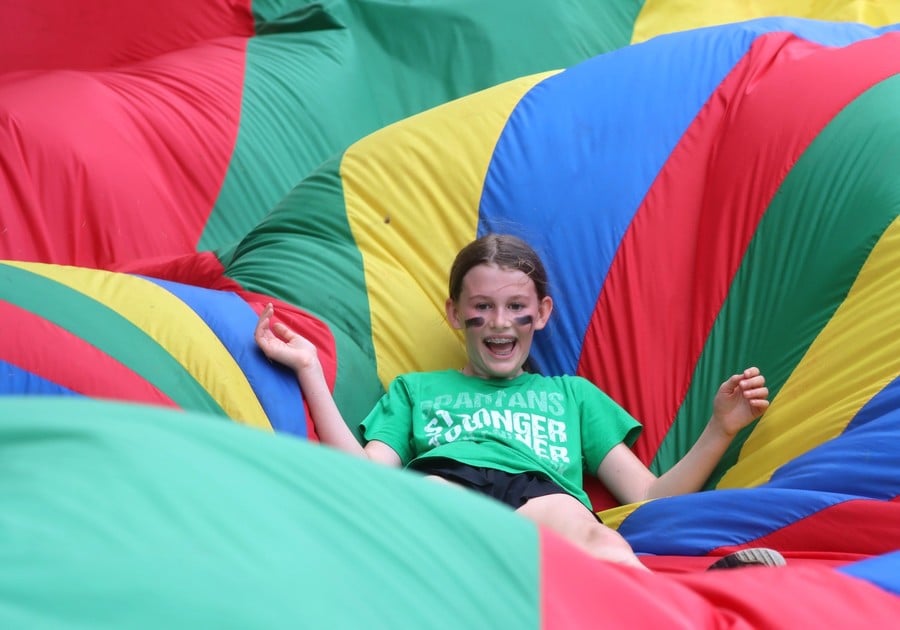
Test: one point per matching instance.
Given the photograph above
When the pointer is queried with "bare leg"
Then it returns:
(442, 480)
(567, 516)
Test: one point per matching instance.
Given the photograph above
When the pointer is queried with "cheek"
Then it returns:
(474, 322)
(524, 320)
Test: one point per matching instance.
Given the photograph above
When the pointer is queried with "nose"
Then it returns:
(500, 319)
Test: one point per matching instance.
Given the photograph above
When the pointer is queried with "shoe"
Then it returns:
(752, 557)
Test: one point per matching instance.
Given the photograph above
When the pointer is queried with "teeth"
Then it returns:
(500, 346)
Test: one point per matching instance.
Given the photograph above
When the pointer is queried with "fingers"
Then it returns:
(267, 327)
(283, 332)
(753, 387)
(271, 334)
(750, 383)
(262, 325)
(751, 379)
(756, 392)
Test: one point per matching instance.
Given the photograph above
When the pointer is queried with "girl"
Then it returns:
(522, 438)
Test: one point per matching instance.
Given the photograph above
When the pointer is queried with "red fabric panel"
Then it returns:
(310, 327)
(580, 592)
(120, 164)
(201, 269)
(673, 270)
(99, 33)
(693, 564)
(205, 270)
(600, 496)
(875, 526)
(39, 346)
(792, 597)
(577, 591)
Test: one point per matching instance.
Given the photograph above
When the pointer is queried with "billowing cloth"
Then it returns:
(196, 118)
(145, 340)
(703, 200)
(150, 518)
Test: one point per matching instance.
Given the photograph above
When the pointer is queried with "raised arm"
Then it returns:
(279, 343)
(739, 400)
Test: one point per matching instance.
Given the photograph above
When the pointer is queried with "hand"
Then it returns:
(281, 344)
(740, 400)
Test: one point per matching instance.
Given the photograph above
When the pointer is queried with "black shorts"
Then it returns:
(512, 489)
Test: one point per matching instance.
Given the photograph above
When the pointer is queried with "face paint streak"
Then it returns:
(525, 320)
(474, 322)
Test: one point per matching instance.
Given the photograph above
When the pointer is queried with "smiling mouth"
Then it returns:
(500, 347)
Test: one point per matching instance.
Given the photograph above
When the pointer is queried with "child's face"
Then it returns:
(499, 310)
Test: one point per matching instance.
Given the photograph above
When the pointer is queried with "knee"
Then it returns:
(607, 544)
(599, 536)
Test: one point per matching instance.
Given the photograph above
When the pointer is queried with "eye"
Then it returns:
(482, 306)
(516, 306)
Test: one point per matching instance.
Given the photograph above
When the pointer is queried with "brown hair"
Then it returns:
(505, 251)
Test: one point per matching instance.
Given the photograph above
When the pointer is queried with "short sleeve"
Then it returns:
(604, 424)
(390, 421)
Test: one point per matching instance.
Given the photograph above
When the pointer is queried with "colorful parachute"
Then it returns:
(704, 200)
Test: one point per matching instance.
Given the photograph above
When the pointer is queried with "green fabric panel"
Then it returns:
(122, 516)
(807, 251)
(302, 104)
(320, 76)
(303, 253)
(108, 331)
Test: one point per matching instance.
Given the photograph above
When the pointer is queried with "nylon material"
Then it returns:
(614, 517)
(571, 581)
(272, 533)
(406, 235)
(591, 127)
(773, 598)
(229, 318)
(812, 285)
(304, 239)
(300, 106)
(98, 374)
(882, 404)
(861, 334)
(673, 267)
(17, 381)
(793, 521)
(311, 88)
(824, 468)
(665, 16)
(110, 149)
(767, 598)
(191, 343)
(698, 523)
(872, 522)
(819, 229)
(881, 571)
(827, 215)
(107, 331)
(118, 33)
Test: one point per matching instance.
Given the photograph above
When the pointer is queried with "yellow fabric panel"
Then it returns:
(173, 325)
(614, 516)
(668, 16)
(412, 193)
(854, 357)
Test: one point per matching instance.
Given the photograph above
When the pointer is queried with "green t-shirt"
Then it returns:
(560, 426)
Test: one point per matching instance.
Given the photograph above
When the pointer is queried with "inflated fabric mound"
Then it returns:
(149, 518)
(704, 199)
